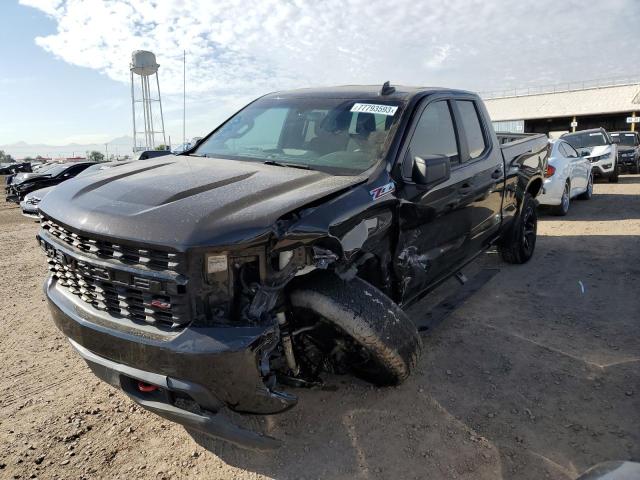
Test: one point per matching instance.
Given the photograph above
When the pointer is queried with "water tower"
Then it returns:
(144, 65)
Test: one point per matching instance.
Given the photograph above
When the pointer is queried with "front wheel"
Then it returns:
(351, 326)
(519, 242)
(614, 177)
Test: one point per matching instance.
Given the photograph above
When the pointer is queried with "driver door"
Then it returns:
(434, 222)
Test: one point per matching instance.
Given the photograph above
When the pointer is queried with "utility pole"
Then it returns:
(184, 97)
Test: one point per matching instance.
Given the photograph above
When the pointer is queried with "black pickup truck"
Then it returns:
(284, 245)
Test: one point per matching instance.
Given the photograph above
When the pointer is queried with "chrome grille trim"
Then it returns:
(126, 293)
(149, 258)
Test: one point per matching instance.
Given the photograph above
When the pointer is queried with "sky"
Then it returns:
(64, 64)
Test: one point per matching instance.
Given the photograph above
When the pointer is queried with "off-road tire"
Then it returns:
(513, 247)
(369, 318)
(588, 193)
(565, 202)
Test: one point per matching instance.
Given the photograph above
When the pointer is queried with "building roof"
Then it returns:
(592, 101)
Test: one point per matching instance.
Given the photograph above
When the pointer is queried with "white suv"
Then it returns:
(599, 147)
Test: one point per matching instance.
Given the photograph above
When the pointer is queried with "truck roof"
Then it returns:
(401, 92)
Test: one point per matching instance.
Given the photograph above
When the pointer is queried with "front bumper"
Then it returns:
(604, 168)
(631, 161)
(212, 366)
(29, 210)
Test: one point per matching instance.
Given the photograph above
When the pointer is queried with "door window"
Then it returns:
(435, 133)
(472, 127)
(568, 150)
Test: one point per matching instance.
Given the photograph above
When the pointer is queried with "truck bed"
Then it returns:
(516, 145)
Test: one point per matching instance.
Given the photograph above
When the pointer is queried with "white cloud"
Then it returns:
(440, 55)
(238, 49)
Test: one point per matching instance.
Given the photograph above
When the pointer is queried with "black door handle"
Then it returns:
(497, 174)
(465, 189)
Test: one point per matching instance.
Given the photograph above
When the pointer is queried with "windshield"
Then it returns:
(626, 139)
(583, 140)
(338, 136)
(46, 167)
(55, 170)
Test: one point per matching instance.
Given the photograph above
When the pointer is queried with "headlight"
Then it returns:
(600, 157)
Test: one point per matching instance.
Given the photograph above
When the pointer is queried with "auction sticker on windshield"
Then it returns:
(374, 108)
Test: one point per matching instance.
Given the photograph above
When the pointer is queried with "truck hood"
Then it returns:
(594, 151)
(625, 149)
(184, 202)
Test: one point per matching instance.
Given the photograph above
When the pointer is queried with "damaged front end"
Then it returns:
(196, 331)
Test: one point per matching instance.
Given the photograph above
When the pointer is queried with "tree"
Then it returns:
(5, 157)
(96, 156)
(161, 147)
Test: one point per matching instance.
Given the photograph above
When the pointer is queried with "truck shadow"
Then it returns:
(601, 207)
(624, 178)
(530, 378)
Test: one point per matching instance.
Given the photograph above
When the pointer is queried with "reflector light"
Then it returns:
(146, 387)
(549, 171)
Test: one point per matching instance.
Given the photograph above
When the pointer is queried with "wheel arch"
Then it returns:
(535, 187)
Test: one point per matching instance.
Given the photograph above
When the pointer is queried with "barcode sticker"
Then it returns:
(389, 110)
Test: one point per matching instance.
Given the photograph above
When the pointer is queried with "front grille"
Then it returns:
(162, 303)
(150, 258)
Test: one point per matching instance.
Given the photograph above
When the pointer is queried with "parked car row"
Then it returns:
(29, 188)
(17, 187)
(577, 158)
(31, 201)
(10, 168)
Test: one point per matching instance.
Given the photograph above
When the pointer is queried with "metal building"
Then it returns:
(612, 104)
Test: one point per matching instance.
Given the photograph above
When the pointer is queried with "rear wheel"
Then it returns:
(562, 209)
(353, 327)
(588, 193)
(519, 242)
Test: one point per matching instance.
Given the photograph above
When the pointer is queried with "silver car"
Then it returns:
(568, 175)
(30, 202)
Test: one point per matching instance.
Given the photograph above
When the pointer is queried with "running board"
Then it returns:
(447, 306)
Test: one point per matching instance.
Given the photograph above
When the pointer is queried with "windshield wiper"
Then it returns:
(285, 164)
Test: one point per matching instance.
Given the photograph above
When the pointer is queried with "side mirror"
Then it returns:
(584, 153)
(431, 170)
(615, 139)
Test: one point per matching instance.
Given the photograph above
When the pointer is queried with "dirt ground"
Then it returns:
(532, 378)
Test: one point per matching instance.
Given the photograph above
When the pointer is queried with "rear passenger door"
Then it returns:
(482, 166)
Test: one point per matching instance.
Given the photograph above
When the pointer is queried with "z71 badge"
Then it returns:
(383, 190)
